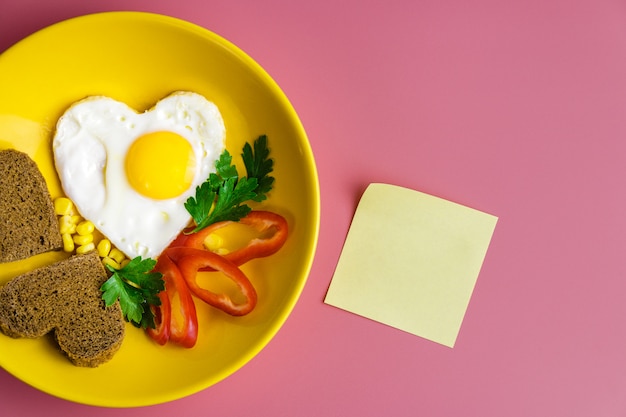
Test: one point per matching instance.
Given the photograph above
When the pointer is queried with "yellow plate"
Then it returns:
(139, 58)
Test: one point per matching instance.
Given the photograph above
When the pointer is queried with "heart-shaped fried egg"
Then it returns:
(130, 173)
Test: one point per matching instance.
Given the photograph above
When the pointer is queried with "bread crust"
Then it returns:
(28, 224)
(65, 298)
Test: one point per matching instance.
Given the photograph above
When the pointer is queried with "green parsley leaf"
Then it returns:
(226, 203)
(200, 205)
(222, 196)
(230, 197)
(224, 167)
(136, 288)
(259, 165)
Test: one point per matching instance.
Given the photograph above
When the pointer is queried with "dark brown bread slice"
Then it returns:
(28, 225)
(65, 298)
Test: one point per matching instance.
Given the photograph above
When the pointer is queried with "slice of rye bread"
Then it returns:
(65, 298)
(28, 224)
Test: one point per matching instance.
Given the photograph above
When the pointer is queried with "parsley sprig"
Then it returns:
(136, 287)
(259, 165)
(223, 195)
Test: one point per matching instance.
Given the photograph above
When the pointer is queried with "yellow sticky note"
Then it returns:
(411, 261)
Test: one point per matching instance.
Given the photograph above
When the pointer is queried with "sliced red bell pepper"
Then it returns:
(182, 325)
(192, 260)
(186, 256)
(262, 221)
(162, 317)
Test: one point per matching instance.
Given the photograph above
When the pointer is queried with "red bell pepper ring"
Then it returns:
(162, 317)
(262, 221)
(180, 327)
(192, 260)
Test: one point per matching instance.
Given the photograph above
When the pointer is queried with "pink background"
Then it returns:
(516, 108)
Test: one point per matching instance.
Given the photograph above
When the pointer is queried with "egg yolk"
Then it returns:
(160, 165)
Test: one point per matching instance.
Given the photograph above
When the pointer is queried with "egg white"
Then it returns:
(90, 145)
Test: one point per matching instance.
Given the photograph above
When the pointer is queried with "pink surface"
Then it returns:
(516, 108)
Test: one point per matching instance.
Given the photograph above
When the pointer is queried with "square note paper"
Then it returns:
(411, 261)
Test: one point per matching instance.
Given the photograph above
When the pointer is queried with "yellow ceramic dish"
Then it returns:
(139, 58)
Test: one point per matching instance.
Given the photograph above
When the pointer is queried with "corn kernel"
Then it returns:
(213, 242)
(85, 248)
(104, 247)
(63, 206)
(76, 218)
(221, 251)
(108, 261)
(85, 227)
(68, 243)
(66, 225)
(125, 262)
(117, 255)
(83, 239)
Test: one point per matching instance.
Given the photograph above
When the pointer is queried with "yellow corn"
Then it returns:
(85, 248)
(213, 242)
(104, 247)
(83, 239)
(66, 225)
(117, 255)
(76, 218)
(85, 228)
(125, 262)
(108, 261)
(68, 243)
(63, 206)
